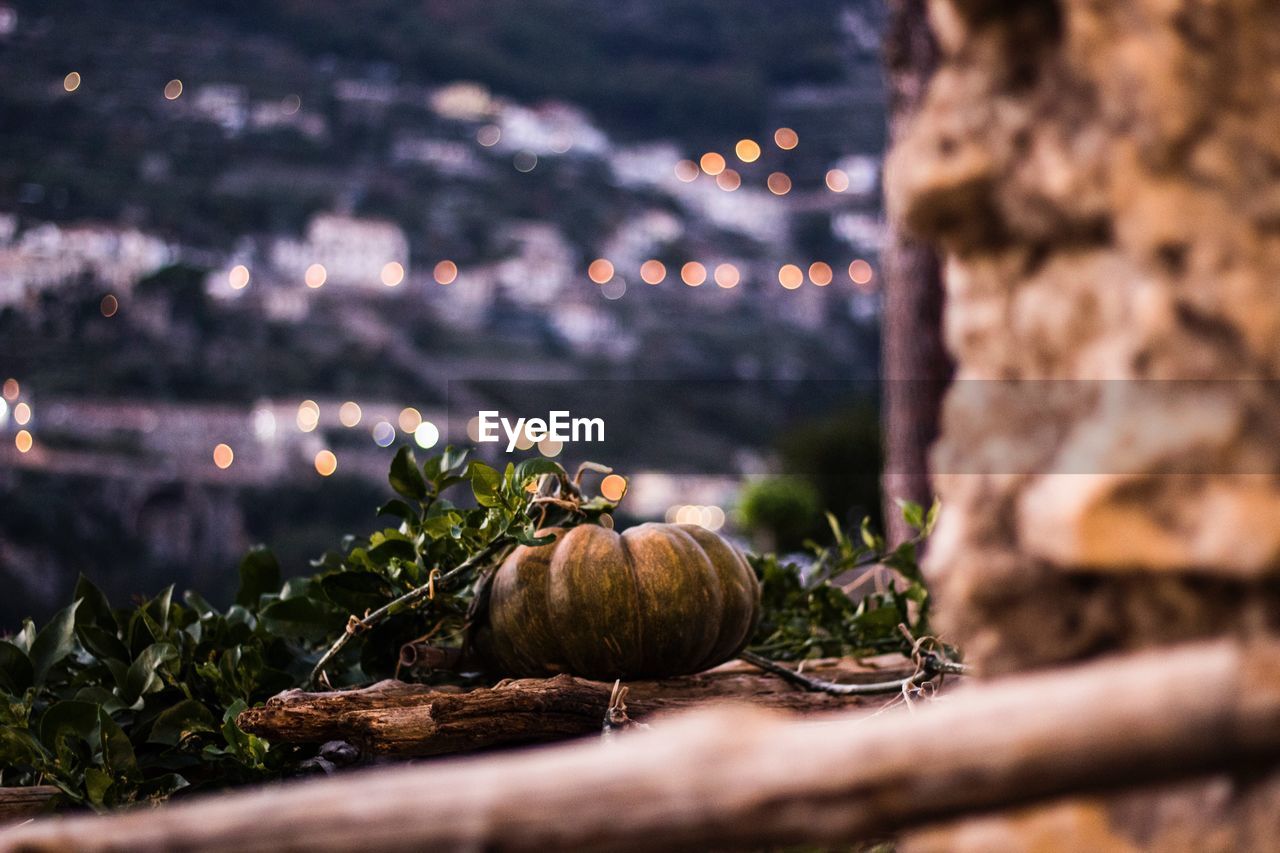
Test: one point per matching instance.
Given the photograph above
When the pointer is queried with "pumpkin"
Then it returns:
(657, 600)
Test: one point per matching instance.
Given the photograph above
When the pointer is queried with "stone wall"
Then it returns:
(1104, 179)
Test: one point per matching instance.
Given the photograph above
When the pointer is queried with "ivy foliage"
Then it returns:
(121, 705)
(118, 706)
(825, 609)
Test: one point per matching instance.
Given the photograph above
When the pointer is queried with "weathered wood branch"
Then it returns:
(392, 718)
(739, 777)
(19, 803)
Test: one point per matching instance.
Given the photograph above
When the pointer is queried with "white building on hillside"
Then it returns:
(353, 252)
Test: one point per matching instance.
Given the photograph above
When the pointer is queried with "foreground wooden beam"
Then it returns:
(392, 718)
(738, 777)
(19, 803)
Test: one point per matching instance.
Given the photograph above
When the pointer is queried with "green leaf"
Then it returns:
(143, 676)
(180, 721)
(452, 460)
(54, 642)
(356, 592)
(259, 575)
(912, 513)
(16, 673)
(485, 483)
(533, 467)
(97, 784)
(299, 617)
(94, 607)
(405, 477)
(399, 509)
(117, 751)
(69, 717)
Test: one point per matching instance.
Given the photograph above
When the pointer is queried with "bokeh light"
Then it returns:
(349, 414)
(445, 272)
(525, 161)
(790, 276)
(779, 183)
(837, 180)
(11, 389)
(615, 288)
(308, 415)
(712, 163)
(223, 456)
(653, 272)
(23, 441)
(727, 276)
(316, 276)
(291, 104)
(820, 273)
(860, 272)
(173, 90)
(409, 419)
(489, 135)
(238, 278)
(687, 170)
(72, 81)
(693, 273)
(109, 305)
(550, 447)
(392, 273)
(22, 414)
(383, 434)
(748, 150)
(600, 271)
(613, 487)
(426, 435)
(786, 138)
(326, 463)
(728, 180)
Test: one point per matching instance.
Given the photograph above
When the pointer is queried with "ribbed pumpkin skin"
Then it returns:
(657, 600)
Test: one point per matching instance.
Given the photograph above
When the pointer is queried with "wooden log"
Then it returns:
(392, 718)
(746, 777)
(20, 803)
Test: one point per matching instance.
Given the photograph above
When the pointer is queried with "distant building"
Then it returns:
(48, 255)
(541, 266)
(446, 156)
(551, 128)
(8, 20)
(463, 101)
(640, 237)
(352, 251)
(224, 104)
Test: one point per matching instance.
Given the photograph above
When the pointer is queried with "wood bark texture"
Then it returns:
(20, 803)
(392, 718)
(744, 777)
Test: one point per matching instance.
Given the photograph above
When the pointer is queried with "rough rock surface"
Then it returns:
(1104, 178)
(1105, 181)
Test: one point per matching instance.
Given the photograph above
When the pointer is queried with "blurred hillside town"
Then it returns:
(243, 258)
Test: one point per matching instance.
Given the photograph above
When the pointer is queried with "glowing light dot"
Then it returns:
(489, 135)
(308, 415)
(613, 487)
(786, 138)
(173, 90)
(445, 272)
(820, 273)
(860, 272)
(600, 271)
(426, 435)
(22, 441)
(11, 389)
(790, 276)
(727, 276)
(291, 104)
(238, 278)
(748, 150)
(409, 419)
(22, 414)
(109, 305)
(653, 272)
(392, 273)
(687, 170)
(383, 434)
(349, 414)
(316, 275)
(525, 161)
(693, 273)
(223, 456)
(712, 163)
(714, 518)
(72, 81)
(779, 183)
(550, 447)
(837, 180)
(614, 289)
(728, 180)
(326, 463)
